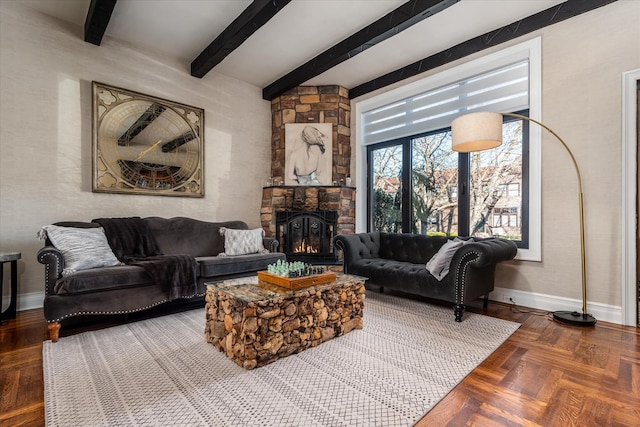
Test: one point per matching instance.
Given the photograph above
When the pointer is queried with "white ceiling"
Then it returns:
(299, 32)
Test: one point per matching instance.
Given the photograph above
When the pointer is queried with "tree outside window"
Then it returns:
(493, 174)
(386, 183)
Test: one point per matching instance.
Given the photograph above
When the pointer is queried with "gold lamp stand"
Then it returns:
(483, 130)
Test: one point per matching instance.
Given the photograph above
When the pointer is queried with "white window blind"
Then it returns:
(505, 89)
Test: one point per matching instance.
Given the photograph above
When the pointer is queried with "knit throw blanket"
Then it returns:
(132, 243)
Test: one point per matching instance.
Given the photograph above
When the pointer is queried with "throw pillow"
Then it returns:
(242, 242)
(82, 248)
(438, 265)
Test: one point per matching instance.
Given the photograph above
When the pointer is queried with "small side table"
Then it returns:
(12, 257)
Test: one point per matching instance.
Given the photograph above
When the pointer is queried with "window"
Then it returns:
(431, 188)
(510, 189)
(386, 197)
(453, 192)
(416, 181)
(506, 218)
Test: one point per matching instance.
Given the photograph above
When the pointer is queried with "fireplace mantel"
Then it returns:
(280, 198)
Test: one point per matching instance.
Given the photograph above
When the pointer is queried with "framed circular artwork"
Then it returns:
(146, 145)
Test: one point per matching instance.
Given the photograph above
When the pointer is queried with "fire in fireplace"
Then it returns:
(307, 236)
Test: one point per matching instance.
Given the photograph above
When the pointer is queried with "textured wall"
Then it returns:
(46, 71)
(583, 59)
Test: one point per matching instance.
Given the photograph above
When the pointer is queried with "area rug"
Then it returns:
(161, 372)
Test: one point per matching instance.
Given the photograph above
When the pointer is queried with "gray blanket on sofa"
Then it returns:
(132, 243)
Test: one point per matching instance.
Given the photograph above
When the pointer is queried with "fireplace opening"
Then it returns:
(307, 236)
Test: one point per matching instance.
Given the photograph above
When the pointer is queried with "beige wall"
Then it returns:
(46, 71)
(583, 61)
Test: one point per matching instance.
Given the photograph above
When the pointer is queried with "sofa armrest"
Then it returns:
(473, 266)
(485, 252)
(270, 243)
(53, 265)
(357, 246)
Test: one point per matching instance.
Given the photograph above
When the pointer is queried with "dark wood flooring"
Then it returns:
(546, 374)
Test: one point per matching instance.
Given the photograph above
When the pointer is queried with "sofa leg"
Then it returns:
(458, 309)
(54, 329)
(381, 289)
(485, 303)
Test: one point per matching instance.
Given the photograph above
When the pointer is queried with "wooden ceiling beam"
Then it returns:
(514, 30)
(389, 25)
(258, 13)
(98, 18)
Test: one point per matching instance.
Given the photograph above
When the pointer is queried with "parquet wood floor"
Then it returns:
(546, 374)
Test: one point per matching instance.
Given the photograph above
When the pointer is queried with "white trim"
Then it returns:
(30, 301)
(629, 191)
(531, 49)
(534, 253)
(602, 312)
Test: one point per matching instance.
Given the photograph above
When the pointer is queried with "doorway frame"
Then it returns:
(629, 194)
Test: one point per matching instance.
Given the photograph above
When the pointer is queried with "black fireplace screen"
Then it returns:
(307, 236)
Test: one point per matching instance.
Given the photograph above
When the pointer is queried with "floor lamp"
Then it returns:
(482, 131)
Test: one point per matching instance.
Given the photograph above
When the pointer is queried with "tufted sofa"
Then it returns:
(398, 261)
(124, 289)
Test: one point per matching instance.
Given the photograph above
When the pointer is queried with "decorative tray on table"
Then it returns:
(296, 275)
(297, 282)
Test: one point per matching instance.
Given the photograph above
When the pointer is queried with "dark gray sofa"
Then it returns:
(398, 261)
(127, 289)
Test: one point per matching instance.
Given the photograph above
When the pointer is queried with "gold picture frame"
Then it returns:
(146, 145)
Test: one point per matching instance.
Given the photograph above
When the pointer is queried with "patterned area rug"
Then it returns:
(161, 372)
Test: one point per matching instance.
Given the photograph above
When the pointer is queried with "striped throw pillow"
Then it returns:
(82, 248)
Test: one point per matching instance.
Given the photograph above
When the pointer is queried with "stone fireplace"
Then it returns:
(305, 219)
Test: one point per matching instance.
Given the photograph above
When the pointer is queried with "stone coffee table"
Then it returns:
(255, 323)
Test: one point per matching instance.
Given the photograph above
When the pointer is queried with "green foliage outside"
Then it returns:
(442, 234)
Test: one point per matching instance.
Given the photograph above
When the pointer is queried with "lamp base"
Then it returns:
(574, 318)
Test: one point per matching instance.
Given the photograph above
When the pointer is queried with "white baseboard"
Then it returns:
(604, 312)
(30, 301)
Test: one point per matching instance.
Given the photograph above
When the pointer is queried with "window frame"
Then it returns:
(369, 180)
(462, 189)
(530, 49)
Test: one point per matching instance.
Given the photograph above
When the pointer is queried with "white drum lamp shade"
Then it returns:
(476, 132)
